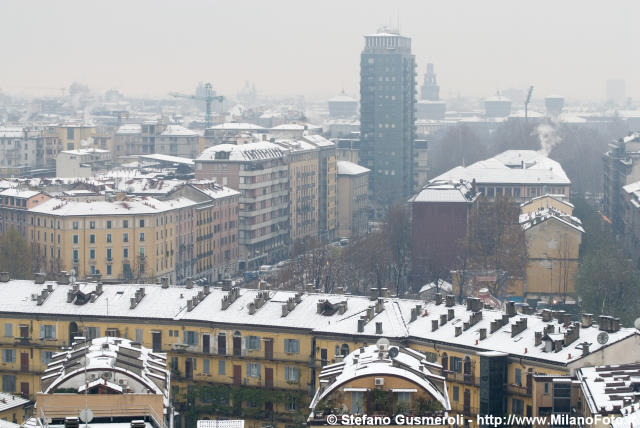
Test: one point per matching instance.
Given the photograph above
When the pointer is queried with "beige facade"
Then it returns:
(553, 246)
(353, 191)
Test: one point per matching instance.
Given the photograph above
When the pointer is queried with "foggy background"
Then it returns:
(148, 48)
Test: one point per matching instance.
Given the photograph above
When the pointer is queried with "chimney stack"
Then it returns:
(378, 327)
(450, 300)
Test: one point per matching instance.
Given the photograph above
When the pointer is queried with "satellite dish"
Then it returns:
(394, 351)
(383, 344)
(603, 338)
(86, 415)
(636, 323)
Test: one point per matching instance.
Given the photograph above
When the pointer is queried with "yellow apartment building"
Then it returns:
(258, 353)
(553, 248)
(353, 197)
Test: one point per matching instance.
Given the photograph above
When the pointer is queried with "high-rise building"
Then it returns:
(387, 102)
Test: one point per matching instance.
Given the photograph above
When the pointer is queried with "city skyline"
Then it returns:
(314, 51)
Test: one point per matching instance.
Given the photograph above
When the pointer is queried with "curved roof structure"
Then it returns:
(116, 365)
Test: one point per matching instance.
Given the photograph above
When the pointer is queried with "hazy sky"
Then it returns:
(313, 47)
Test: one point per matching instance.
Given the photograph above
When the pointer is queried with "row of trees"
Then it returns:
(607, 282)
(15, 255)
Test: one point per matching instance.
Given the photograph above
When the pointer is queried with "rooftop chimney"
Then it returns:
(38, 278)
(378, 327)
(438, 298)
(483, 333)
(361, 322)
(434, 325)
(189, 282)
(510, 308)
(450, 314)
(164, 281)
(450, 300)
(587, 320)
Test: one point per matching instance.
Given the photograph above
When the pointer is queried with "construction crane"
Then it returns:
(526, 103)
(208, 97)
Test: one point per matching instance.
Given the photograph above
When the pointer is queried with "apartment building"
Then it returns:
(304, 175)
(259, 172)
(14, 206)
(71, 135)
(519, 174)
(327, 185)
(353, 199)
(258, 353)
(82, 162)
(553, 237)
(621, 168)
(176, 140)
(20, 147)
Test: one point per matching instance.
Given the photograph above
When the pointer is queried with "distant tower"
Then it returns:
(430, 88)
(387, 118)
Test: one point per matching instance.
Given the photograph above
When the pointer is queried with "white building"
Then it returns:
(18, 146)
(176, 140)
(82, 162)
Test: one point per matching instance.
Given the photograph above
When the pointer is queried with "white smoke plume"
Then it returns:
(548, 138)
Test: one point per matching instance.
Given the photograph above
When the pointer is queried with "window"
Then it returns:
(108, 237)
(253, 370)
(253, 343)
(92, 225)
(455, 364)
(519, 377)
(75, 225)
(75, 239)
(47, 332)
(125, 224)
(8, 383)
(8, 355)
(108, 253)
(125, 253)
(174, 363)
(221, 367)
(517, 406)
(403, 397)
(291, 346)
(291, 403)
(190, 337)
(92, 332)
(141, 236)
(109, 270)
(108, 224)
(205, 366)
(75, 256)
(92, 254)
(92, 239)
(546, 388)
(291, 374)
(125, 237)
(142, 223)
(46, 356)
(456, 393)
(139, 335)
(357, 402)
(8, 330)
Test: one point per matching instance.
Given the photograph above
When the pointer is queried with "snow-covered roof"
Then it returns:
(606, 387)
(115, 363)
(558, 198)
(261, 150)
(511, 167)
(11, 132)
(350, 168)
(170, 304)
(238, 126)
(19, 193)
(129, 129)
(168, 158)
(498, 98)
(178, 131)
(10, 401)
(318, 140)
(534, 218)
(367, 361)
(441, 285)
(630, 417)
(295, 127)
(142, 205)
(80, 152)
(342, 98)
(446, 191)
